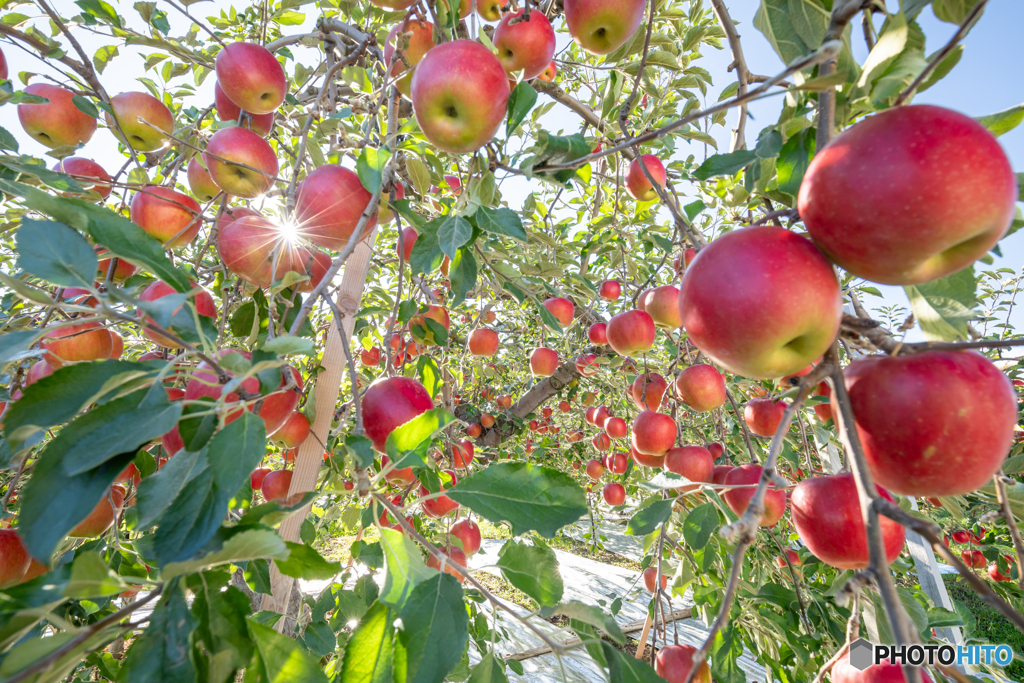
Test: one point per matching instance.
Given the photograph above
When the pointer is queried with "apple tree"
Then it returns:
(414, 275)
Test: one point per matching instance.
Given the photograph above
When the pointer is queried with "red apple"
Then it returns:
(637, 184)
(474, 430)
(614, 494)
(400, 477)
(293, 432)
(674, 662)
(467, 531)
(631, 333)
(909, 195)
(246, 247)
(116, 344)
(587, 365)
(14, 558)
(328, 205)
(275, 488)
(653, 433)
(525, 44)
(549, 73)
(454, 556)
(617, 463)
(543, 362)
(716, 450)
(487, 420)
(663, 306)
(199, 180)
(58, 123)
(827, 515)
(449, 119)
(564, 406)
(601, 442)
(261, 124)
(562, 309)
(251, 77)
(462, 454)
(648, 390)
(973, 558)
(719, 474)
(418, 322)
(886, 672)
(129, 108)
(693, 462)
(241, 162)
(3, 66)
(938, 423)
(257, 476)
(738, 499)
(603, 26)
(102, 516)
(823, 410)
(753, 315)
(202, 301)
(616, 427)
(610, 290)
(701, 387)
(763, 415)
(169, 216)
(483, 341)
(598, 334)
(442, 505)
(595, 469)
(417, 38)
(90, 176)
(391, 402)
(313, 264)
(651, 578)
(653, 461)
(995, 574)
(78, 342)
(384, 212)
(409, 236)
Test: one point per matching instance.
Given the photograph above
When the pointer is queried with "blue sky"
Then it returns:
(985, 81)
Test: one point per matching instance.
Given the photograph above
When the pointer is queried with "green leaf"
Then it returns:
(426, 254)
(434, 631)
(699, 524)
(769, 144)
(520, 102)
(418, 173)
(532, 569)
(115, 232)
(162, 654)
(222, 627)
(157, 491)
(1003, 121)
(236, 451)
(15, 345)
(369, 653)
(429, 373)
(120, 426)
(286, 345)
(725, 654)
(489, 670)
(305, 563)
(794, 158)
(548, 319)
(650, 518)
(56, 399)
(319, 638)
(558, 149)
(462, 274)
(944, 307)
(280, 658)
(361, 450)
(45, 518)
(626, 669)
(529, 497)
(453, 232)
(191, 520)
(370, 167)
(953, 11)
(56, 253)
(891, 43)
(724, 164)
(244, 546)
(501, 221)
(7, 141)
(589, 614)
(92, 577)
(404, 567)
(407, 445)
(794, 28)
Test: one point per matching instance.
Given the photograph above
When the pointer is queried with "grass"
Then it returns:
(990, 625)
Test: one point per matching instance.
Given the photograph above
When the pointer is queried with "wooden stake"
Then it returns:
(325, 397)
(641, 645)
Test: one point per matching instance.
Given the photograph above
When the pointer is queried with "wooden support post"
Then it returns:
(641, 645)
(325, 397)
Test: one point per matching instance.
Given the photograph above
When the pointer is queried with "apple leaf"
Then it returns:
(626, 669)
(280, 658)
(369, 654)
(1003, 121)
(163, 652)
(794, 158)
(944, 307)
(303, 562)
(532, 569)
(724, 164)
(435, 628)
(529, 497)
(520, 102)
(56, 253)
(426, 253)
(650, 518)
(699, 524)
(404, 565)
(462, 275)
(501, 221)
(453, 232)
(407, 445)
(370, 167)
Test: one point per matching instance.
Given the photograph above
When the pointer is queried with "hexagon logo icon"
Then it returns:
(862, 654)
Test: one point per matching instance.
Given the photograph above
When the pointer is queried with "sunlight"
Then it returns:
(288, 229)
